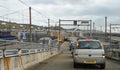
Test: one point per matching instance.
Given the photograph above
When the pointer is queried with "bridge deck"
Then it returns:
(64, 61)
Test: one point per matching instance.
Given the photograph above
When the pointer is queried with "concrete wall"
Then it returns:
(22, 61)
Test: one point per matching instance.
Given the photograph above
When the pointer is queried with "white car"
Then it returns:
(89, 51)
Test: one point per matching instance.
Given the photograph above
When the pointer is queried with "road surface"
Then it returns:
(64, 61)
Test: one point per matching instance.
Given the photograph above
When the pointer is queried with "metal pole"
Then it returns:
(30, 21)
(55, 27)
(59, 33)
(59, 27)
(91, 28)
(87, 32)
(101, 28)
(105, 26)
(110, 33)
(48, 26)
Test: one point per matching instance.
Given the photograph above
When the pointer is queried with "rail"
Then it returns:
(112, 51)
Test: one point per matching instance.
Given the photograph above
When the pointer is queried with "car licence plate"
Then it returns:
(90, 61)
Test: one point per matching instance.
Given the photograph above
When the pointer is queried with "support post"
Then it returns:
(30, 21)
(48, 26)
(105, 26)
(90, 28)
(110, 34)
(59, 32)
(94, 27)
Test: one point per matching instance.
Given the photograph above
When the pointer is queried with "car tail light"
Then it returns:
(89, 40)
(103, 54)
(76, 54)
(77, 44)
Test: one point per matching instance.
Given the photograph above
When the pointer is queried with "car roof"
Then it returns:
(88, 40)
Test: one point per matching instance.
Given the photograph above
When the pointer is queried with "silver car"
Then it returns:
(89, 51)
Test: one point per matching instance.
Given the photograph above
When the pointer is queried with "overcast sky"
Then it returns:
(95, 10)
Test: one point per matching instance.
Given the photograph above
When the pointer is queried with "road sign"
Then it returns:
(75, 22)
(84, 21)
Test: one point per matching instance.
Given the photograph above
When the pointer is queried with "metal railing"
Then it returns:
(16, 55)
(112, 51)
(15, 48)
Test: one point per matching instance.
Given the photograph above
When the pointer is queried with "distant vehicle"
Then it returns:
(89, 52)
(72, 45)
(6, 35)
(48, 41)
(45, 40)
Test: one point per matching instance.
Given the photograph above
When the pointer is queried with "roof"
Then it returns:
(88, 40)
(46, 38)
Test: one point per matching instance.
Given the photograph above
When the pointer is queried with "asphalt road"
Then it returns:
(64, 61)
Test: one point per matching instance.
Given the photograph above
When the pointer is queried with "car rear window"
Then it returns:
(89, 45)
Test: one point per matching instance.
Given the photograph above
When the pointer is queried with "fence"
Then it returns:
(113, 51)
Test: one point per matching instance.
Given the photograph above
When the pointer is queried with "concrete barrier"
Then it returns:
(22, 59)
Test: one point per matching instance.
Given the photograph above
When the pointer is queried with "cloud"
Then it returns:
(68, 9)
(79, 7)
(60, 2)
(101, 11)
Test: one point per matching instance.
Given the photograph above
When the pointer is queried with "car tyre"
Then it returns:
(75, 65)
(102, 66)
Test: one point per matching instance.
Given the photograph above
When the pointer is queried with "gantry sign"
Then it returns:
(77, 23)
(114, 26)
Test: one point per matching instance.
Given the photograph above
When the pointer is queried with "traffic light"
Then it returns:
(75, 22)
